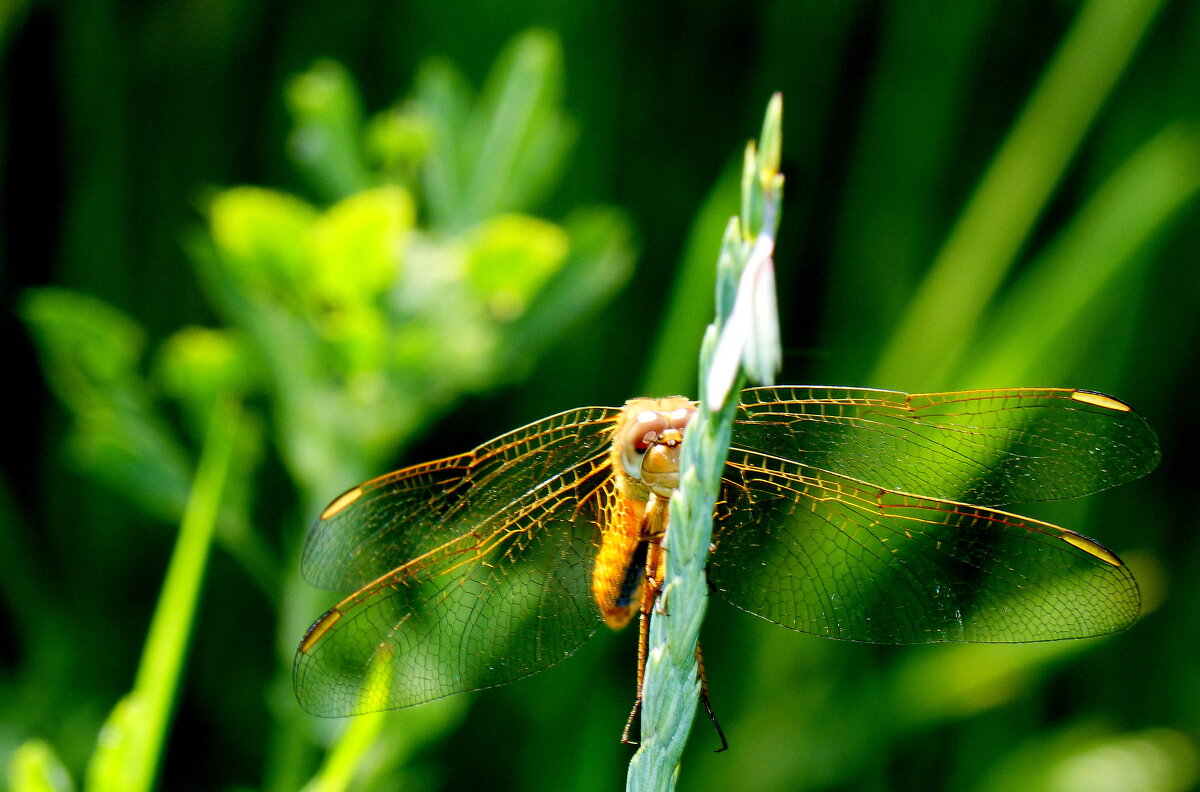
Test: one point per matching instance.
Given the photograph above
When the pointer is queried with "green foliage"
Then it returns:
(91, 353)
(34, 768)
(371, 323)
(1041, 156)
(949, 307)
(359, 322)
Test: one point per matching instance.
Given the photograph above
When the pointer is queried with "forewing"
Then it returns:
(829, 555)
(381, 525)
(991, 447)
(494, 583)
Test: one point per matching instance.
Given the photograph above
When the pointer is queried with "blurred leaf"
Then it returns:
(131, 744)
(599, 261)
(34, 767)
(948, 305)
(910, 148)
(502, 155)
(517, 136)
(262, 236)
(114, 757)
(443, 98)
(197, 365)
(1092, 758)
(360, 760)
(326, 139)
(509, 260)
(90, 347)
(939, 683)
(1052, 305)
(89, 351)
(398, 141)
(358, 244)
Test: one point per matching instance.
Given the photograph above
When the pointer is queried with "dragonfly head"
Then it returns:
(648, 440)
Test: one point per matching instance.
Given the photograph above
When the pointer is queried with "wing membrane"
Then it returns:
(392, 519)
(473, 571)
(486, 560)
(991, 447)
(846, 559)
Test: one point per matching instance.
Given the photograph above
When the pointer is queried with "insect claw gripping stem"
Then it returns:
(707, 701)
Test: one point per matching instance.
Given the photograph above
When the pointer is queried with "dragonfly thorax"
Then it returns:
(648, 439)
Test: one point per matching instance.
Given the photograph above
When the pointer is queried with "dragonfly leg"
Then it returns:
(643, 645)
(656, 560)
(707, 702)
(654, 602)
(652, 587)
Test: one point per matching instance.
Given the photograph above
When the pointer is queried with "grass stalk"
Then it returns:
(130, 746)
(743, 337)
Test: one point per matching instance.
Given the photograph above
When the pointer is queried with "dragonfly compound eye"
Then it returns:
(645, 441)
(637, 437)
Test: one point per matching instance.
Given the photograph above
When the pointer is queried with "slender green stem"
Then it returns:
(744, 335)
(671, 686)
(35, 767)
(131, 742)
(342, 762)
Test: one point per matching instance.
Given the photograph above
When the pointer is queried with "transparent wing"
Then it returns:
(829, 555)
(472, 571)
(378, 526)
(991, 447)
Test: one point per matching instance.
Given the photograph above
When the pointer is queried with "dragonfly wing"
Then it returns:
(991, 447)
(494, 585)
(825, 554)
(378, 526)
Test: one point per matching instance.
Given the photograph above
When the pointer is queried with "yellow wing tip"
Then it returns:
(343, 500)
(1100, 400)
(1091, 548)
(318, 630)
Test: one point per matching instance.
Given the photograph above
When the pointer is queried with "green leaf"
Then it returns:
(358, 245)
(111, 765)
(444, 100)
(517, 135)
(326, 139)
(599, 260)
(262, 236)
(87, 345)
(90, 352)
(948, 306)
(504, 152)
(34, 767)
(399, 140)
(509, 260)
(196, 365)
(1052, 306)
(130, 747)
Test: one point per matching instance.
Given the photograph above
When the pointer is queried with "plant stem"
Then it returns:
(744, 334)
(131, 742)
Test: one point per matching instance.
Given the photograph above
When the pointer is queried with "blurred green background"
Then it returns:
(465, 216)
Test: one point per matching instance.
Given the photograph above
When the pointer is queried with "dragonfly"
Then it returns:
(849, 513)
